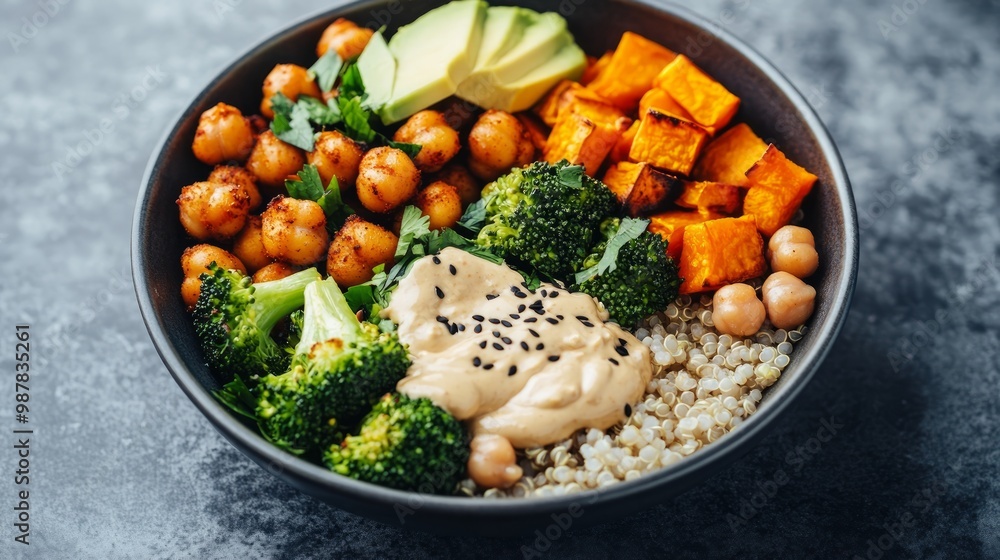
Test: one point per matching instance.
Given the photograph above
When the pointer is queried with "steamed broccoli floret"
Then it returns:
(545, 216)
(404, 443)
(233, 320)
(340, 368)
(629, 271)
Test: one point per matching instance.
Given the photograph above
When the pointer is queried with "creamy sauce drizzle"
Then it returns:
(533, 367)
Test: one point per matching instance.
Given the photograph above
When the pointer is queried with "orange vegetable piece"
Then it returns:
(668, 142)
(642, 188)
(620, 178)
(537, 131)
(720, 252)
(564, 94)
(670, 225)
(660, 100)
(728, 158)
(706, 195)
(706, 100)
(595, 67)
(777, 188)
(624, 145)
(631, 71)
(585, 133)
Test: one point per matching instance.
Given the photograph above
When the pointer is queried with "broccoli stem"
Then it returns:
(327, 316)
(276, 299)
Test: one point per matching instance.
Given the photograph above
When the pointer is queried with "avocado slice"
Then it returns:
(503, 29)
(378, 71)
(521, 94)
(433, 55)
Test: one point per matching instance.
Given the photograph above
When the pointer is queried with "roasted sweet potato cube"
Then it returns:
(720, 252)
(710, 196)
(620, 178)
(667, 142)
(670, 225)
(595, 67)
(727, 159)
(777, 188)
(562, 96)
(642, 188)
(537, 131)
(660, 100)
(581, 140)
(706, 100)
(631, 70)
(624, 144)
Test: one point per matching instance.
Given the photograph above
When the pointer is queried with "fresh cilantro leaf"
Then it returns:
(356, 124)
(351, 84)
(319, 112)
(630, 229)
(474, 217)
(413, 226)
(407, 148)
(326, 69)
(333, 205)
(571, 176)
(282, 105)
(308, 185)
(293, 129)
(361, 297)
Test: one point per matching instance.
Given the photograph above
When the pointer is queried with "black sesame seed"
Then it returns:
(482, 344)
(531, 320)
(495, 321)
(498, 346)
(476, 361)
(623, 342)
(628, 410)
(442, 319)
(515, 316)
(621, 350)
(582, 318)
(553, 358)
(478, 329)
(544, 292)
(614, 361)
(524, 345)
(478, 317)
(560, 317)
(506, 323)
(533, 333)
(452, 269)
(554, 294)
(521, 308)
(439, 292)
(506, 340)
(552, 321)
(436, 260)
(491, 296)
(488, 366)
(587, 324)
(512, 370)
(461, 327)
(540, 346)
(453, 328)
(536, 305)
(496, 334)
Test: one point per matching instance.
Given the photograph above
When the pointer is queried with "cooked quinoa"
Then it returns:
(704, 385)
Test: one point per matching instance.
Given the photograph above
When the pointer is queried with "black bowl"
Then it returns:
(770, 105)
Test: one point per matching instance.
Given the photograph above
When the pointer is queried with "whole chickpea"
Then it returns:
(195, 261)
(440, 202)
(357, 248)
(387, 178)
(274, 271)
(272, 160)
(294, 231)
(458, 176)
(492, 462)
(336, 155)
(497, 143)
(345, 37)
(290, 79)
(788, 300)
(223, 134)
(237, 176)
(439, 142)
(213, 210)
(792, 249)
(736, 310)
(249, 246)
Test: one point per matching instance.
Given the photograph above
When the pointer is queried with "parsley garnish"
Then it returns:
(309, 186)
(629, 229)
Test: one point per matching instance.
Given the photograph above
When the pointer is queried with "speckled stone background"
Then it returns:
(123, 466)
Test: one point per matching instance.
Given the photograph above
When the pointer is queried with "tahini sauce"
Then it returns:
(532, 367)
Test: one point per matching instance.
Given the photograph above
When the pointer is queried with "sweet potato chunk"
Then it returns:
(620, 178)
(585, 140)
(720, 252)
(706, 100)
(667, 142)
(595, 67)
(660, 100)
(537, 131)
(670, 225)
(562, 96)
(642, 188)
(727, 158)
(777, 188)
(631, 70)
(709, 196)
(624, 144)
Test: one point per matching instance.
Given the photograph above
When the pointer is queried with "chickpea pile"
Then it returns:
(242, 217)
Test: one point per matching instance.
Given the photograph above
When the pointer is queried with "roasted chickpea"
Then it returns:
(294, 231)
(737, 311)
(336, 155)
(274, 271)
(195, 261)
(290, 79)
(458, 176)
(249, 247)
(356, 249)
(213, 210)
(345, 37)
(272, 160)
(498, 143)
(492, 462)
(441, 203)
(386, 179)
(792, 249)
(223, 134)
(237, 176)
(439, 142)
(788, 300)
